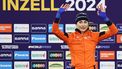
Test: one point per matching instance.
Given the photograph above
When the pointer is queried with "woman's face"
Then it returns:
(82, 25)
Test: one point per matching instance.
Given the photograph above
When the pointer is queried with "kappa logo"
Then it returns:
(6, 55)
(21, 38)
(38, 28)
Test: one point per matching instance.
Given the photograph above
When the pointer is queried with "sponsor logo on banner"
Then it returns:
(39, 65)
(119, 65)
(5, 28)
(21, 55)
(9, 47)
(70, 27)
(120, 46)
(21, 28)
(5, 65)
(55, 55)
(96, 55)
(64, 47)
(61, 27)
(38, 55)
(21, 65)
(39, 47)
(6, 55)
(119, 38)
(56, 65)
(21, 38)
(103, 27)
(38, 38)
(107, 65)
(5, 38)
(103, 47)
(68, 65)
(119, 26)
(107, 55)
(93, 27)
(119, 55)
(54, 39)
(68, 55)
(109, 40)
(38, 28)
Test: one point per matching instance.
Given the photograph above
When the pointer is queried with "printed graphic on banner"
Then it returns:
(6, 55)
(39, 47)
(68, 65)
(5, 38)
(119, 55)
(103, 27)
(70, 27)
(55, 55)
(56, 65)
(39, 28)
(21, 28)
(119, 26)
(38, 55)
(38, 65)
(119, 38)
(5, 28)
(21, 38)
(38, 38)
(119, 65)
(103, 46)
(54, 39)
(64, 47)
(107, 65)
(109, 40)
(61, 27)
(9, 47)
(21, 65)
(21, 55)
(93, 27)
(107, 55)
(68, 55)
(5, 65)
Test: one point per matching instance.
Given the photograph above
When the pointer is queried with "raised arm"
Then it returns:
(112, 28)
(55, 27)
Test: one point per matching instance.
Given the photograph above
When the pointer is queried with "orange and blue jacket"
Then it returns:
(82, 45)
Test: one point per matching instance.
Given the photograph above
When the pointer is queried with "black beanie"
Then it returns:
(81, 16)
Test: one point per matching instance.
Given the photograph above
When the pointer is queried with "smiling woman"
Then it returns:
(22, 5)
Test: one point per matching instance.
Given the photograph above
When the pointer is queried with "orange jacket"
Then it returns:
(82, 46)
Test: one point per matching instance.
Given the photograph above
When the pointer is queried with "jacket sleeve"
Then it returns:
(112, 31)
(55, 30)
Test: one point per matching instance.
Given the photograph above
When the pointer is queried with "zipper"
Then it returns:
(84, 52)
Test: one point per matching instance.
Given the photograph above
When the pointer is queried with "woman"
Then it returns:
(82, 42)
